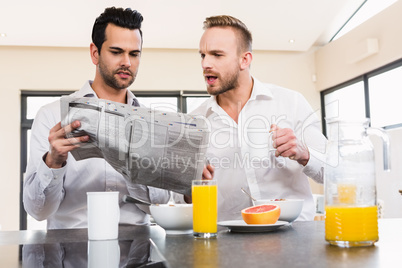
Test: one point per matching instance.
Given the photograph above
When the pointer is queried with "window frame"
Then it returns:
(26, 125)
(365, 78)
(386, 68)
(180, 94)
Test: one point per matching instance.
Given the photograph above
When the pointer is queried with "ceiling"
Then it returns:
(176, 23)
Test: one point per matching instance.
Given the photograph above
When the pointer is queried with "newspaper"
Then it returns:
(150, 147)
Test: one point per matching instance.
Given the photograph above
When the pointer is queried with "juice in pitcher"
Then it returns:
(350, 190)
(351, 226)
(205, 208)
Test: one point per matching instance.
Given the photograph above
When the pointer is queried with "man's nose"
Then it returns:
(125, 61)
(206, 63)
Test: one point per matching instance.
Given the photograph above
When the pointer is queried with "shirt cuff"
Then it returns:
(50, 176)
(315, 168)
(178, 198)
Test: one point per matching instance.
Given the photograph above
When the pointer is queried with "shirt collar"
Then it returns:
(260, 91)
(213, 106)
(87, 91)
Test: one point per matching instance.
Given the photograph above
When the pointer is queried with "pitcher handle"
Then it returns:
(385, 145)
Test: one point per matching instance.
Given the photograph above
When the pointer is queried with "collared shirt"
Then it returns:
(59, 195)
(240, 151)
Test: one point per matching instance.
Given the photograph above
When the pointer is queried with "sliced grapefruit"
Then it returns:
(261, 214)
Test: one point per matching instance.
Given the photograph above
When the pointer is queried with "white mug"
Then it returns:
(260, 145)
(103, 215)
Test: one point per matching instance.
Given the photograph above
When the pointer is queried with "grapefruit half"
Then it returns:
(261, 214)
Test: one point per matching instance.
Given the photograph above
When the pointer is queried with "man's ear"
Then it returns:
(246, 60)
(94, 53)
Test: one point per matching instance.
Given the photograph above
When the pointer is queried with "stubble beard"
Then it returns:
(111, 80)
(226, 84)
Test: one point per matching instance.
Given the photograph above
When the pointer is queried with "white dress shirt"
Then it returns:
(59, 195)
(240, 151)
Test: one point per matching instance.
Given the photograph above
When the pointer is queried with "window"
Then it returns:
(346, 101)
(385, 106)
(31, 101)
(372, 95)
(167, 104)
(176, 101)
(194, 102)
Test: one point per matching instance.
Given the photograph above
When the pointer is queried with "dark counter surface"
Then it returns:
(300, 245)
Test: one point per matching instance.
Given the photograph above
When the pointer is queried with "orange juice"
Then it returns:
(205, 208)
(349, 226)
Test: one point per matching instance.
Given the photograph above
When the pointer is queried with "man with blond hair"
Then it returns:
(242, 111)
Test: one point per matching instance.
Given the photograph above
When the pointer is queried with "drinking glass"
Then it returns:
(205, 208)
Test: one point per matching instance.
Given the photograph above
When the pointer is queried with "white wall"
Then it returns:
(335, 61)
(40, 68)
(34, 69)
(334, 65)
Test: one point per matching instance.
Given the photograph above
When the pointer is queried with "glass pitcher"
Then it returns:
(350, 183)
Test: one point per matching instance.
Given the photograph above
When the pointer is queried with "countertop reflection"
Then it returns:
(106, 253)
(300, 245)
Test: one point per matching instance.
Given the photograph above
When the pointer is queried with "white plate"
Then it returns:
(241, 226)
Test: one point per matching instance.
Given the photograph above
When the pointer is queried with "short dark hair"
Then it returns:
(125, 18)
(246, 38)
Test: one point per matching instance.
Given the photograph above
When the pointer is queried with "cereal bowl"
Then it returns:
(290, 208)
(175, 219)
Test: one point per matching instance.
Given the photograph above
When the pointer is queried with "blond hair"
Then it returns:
(245, 36)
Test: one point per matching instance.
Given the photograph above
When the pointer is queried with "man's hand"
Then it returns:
(287, 145)
(60, 145)
(208, 172)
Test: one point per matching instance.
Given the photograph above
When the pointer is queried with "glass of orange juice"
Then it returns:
(205, 208)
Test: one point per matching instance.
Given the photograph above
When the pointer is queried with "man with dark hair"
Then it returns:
(55, 184)
(130, 19)
(242, 111)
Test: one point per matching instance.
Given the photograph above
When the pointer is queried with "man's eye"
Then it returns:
(135, 54)
(217, 55)
(115, 52)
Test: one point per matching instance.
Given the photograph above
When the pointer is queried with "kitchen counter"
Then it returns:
(300, 245)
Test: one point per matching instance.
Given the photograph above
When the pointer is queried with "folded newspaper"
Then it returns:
(150, 147)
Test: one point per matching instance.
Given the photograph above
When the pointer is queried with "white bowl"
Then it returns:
(175, 219)
(290, 208)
